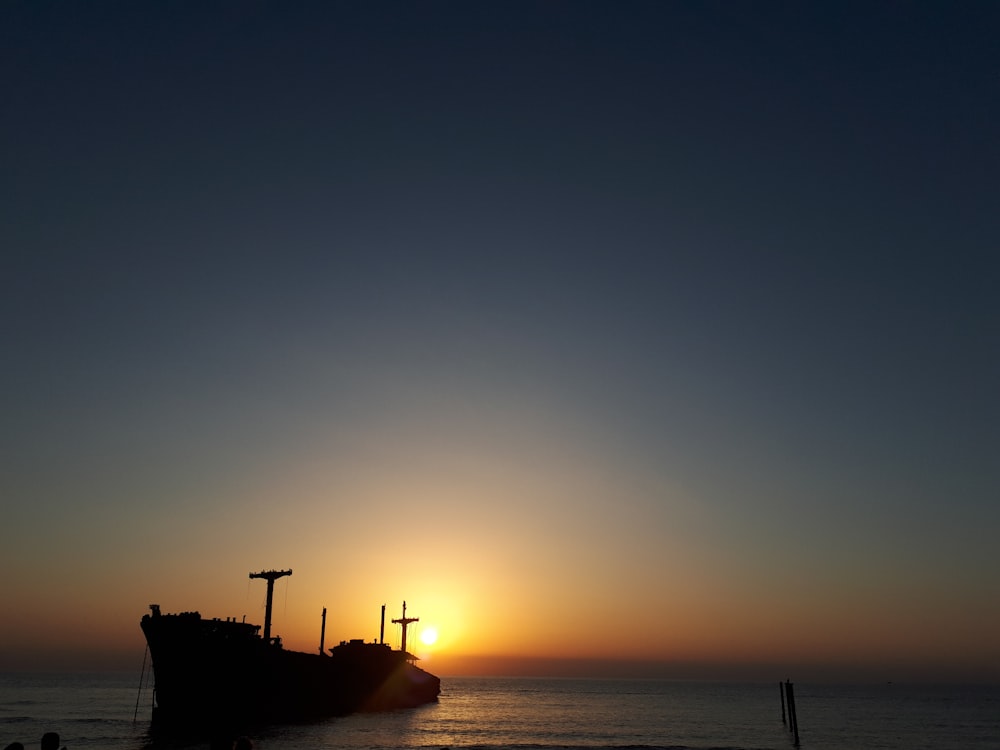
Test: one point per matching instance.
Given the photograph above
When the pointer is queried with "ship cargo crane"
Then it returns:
(271, 576)
(404, 621)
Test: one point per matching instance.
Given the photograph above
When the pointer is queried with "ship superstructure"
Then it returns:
(212, 672)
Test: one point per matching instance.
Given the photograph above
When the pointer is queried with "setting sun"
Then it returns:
(429, 635)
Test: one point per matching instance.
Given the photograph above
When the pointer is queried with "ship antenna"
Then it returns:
(270, 576)
(404, 621)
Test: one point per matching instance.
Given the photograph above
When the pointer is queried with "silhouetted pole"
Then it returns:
(322, 633)
(793, 720)
(270, 576)
(381, 628)
(404, 621)
(781, 689)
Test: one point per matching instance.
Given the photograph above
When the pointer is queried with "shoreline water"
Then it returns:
(96, 710)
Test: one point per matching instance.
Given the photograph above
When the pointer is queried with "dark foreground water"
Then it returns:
(97, 711)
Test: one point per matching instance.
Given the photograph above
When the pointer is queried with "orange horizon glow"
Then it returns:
(452, 635)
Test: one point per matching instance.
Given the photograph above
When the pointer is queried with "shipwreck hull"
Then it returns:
(216, 673)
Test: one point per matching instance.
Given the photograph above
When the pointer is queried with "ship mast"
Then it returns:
(404, 621)
(271, 576)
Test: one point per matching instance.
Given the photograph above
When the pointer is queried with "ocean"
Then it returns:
(108, 711)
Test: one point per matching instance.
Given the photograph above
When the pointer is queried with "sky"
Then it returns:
(614, 337)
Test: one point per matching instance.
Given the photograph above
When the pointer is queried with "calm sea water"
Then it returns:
(97, 711)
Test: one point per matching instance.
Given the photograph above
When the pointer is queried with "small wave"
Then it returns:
(15, 719)
(93, 720)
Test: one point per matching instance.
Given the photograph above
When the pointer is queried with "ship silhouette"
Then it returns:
(211, 672)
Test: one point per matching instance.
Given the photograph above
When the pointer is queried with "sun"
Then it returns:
(429, 636)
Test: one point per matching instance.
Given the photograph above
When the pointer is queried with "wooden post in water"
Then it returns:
(793, 721)
(781, 690)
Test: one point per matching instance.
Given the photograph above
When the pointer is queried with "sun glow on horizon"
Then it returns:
(429, 636)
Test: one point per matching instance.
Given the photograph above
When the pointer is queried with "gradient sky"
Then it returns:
(665, 333)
